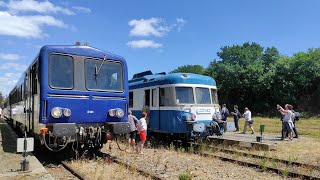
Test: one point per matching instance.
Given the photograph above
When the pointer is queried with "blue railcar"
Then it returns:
(71, 94)
(180, 105)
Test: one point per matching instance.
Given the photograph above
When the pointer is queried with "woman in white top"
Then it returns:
(249, 121)
(142, 132)
(287, 120)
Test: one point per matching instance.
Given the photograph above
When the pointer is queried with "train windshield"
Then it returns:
(214, 96)
(203, 96)
(184, 95)
(61, 71)
(104, 75)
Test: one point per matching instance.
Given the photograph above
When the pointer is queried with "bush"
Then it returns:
(185, 176)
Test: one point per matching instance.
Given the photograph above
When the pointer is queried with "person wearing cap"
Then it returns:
(249, 121)
(133, 121)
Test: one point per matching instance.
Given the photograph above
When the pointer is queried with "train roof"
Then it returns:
(80, 51)
(175, 78)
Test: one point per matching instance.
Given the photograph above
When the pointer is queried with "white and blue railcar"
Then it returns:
(180, 105)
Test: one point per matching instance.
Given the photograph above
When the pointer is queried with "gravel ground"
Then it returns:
(104, 170)
(170, 164)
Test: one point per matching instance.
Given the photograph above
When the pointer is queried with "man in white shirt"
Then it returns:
(249, 121)
(142, 132)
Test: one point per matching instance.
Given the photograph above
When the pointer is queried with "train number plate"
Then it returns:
(204, 111)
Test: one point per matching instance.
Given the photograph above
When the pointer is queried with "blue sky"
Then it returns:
(155, 35)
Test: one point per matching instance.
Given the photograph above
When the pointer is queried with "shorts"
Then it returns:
(143, 135)
(133, 134)
(287, 127)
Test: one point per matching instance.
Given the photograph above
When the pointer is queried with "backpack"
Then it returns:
(297, 116)
(226, 113)
(239, 115)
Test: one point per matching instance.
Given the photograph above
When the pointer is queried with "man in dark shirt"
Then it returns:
(224, 114)
(133, 121)
(236, 115)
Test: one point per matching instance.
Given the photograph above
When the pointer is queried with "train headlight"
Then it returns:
(66, 112)
(119, 113)
(188, 117)
(56, 112)
(112, 112)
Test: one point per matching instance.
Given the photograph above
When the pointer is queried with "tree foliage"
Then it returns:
(253, 76)
(196, 69)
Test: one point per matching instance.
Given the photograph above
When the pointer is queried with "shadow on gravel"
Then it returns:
(8, 141)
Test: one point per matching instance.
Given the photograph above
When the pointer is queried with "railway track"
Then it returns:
(287, 168)
(51, 164)
(114, 159)
(229, 151)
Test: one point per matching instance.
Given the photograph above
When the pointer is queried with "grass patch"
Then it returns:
(185, 176)
(306, 126)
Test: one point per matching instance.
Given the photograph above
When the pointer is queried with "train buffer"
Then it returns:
(268, 142)
(10, 160)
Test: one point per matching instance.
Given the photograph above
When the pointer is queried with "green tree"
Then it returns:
(196, 69)
(243, 74)
(2, 99)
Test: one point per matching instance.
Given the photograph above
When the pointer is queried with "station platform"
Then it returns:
(10, 159)
(268, 142)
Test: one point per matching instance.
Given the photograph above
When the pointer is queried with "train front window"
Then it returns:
(104, 75)
(214, 96)
(203, 96)
(61, 71)
(184, 95)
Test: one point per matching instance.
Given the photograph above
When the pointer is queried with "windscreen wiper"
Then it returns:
(96, 71)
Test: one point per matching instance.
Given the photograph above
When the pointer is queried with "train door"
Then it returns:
(31, 91)
(34, 92)
(155, 110)
(25, 99)
(146, 107)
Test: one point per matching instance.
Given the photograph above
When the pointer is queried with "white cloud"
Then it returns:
(148, 27)
(82, 9)
(144, 44)
(7, 82)
(26, 26)
(9, 56)
(13, 66)
(180, 22)
(43, 7)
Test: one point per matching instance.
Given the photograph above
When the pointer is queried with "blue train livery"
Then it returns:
(71, 94)
(180, 105)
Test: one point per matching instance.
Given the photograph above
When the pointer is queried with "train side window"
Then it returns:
(147, 97)
(154, 98)
(167, 96)
(130, 99)
(214, 96)
(34, 79)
